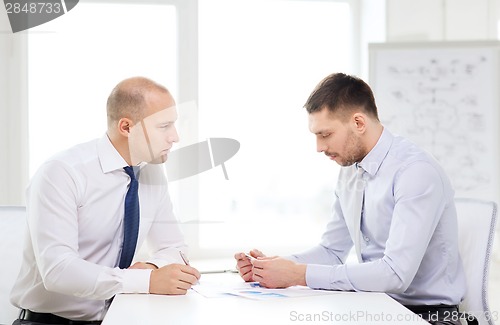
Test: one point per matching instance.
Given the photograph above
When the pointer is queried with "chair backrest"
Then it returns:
(12, 231)
(476, 230)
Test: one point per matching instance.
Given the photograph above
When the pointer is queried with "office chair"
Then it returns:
(12, 228)
(476, 230)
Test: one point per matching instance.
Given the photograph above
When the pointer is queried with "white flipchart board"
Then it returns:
(444, 96)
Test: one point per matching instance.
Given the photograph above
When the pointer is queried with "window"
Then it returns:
(75, 61)
(259, 61)
(239, 69)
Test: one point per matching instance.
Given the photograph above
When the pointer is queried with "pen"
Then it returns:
(218, 271)
(186, 261)
(250, 257)
(184, 258)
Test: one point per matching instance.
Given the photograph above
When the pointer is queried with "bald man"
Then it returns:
(75, 211)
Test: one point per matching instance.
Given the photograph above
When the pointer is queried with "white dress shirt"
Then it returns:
(409, 243)
(75, 207)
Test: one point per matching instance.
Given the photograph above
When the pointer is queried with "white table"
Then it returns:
(193, 308)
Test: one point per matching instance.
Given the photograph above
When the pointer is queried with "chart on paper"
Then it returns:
(217, 286)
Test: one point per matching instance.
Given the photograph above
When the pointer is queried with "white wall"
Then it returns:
(13, 113)
(442, 20)
(372, 15)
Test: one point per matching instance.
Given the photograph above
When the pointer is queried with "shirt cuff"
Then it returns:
(161, 262)
(330, 277)
(136, 280)
(319, 276)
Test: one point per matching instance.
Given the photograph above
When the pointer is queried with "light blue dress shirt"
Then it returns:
(409, 242)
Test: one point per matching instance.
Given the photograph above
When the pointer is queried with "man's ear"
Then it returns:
(359, 122)
(124, 125)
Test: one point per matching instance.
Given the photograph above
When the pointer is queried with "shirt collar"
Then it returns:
(372, 161)
(109, 157)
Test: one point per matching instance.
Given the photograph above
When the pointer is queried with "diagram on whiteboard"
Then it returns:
(444, 101)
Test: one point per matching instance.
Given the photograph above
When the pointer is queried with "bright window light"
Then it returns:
(76, 60)
(259, 61)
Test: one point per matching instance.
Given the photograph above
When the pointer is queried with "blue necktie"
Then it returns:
(130, 220)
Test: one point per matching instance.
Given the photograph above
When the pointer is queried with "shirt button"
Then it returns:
(366, 238)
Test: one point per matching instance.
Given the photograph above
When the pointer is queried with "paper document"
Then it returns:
(252, 290)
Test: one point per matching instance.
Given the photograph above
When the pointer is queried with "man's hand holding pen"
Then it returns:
(270, 272)
(173, 279)
(244, 263)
